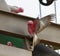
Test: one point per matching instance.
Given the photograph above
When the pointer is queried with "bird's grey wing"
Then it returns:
(44, 22)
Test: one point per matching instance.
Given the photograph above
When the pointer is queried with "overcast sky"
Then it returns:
(31, 8)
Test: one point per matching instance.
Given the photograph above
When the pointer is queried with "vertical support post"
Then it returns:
(55, 11)
(40, 10)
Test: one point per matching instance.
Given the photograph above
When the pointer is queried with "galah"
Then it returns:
(5, 7)
(16, 9)
(9, 43)
(36, 26)
(31, 26)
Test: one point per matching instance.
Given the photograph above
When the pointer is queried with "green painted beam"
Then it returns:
(15, 41)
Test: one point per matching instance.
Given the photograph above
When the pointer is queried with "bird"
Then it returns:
(16, 9)
(36, 26)
(31, 26)
(8, 8)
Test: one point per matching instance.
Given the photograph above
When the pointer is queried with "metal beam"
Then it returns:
(51, 33)
(13, 23)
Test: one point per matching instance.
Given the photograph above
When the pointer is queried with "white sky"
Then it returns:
(31, 8)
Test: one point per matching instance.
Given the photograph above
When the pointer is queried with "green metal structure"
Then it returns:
(4, 39)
